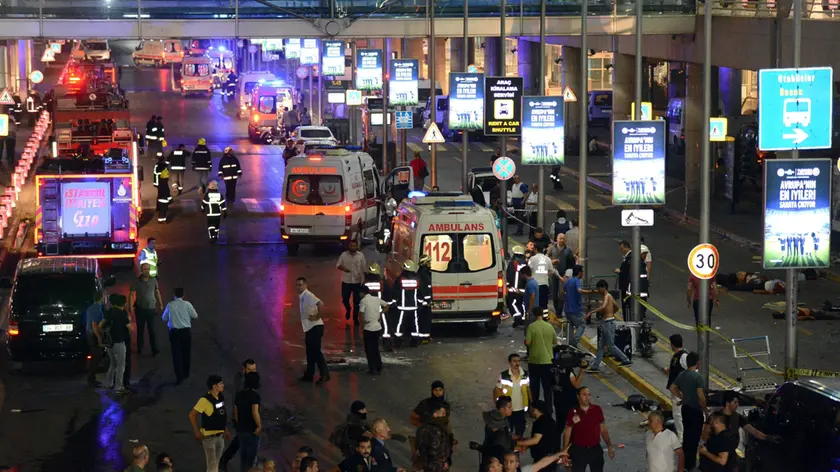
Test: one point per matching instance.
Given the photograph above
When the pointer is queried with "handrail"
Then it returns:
(811, 10)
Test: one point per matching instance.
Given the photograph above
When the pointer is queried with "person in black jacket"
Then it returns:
(202, 164)
(361, 460)
(214, 206)
(424, 314)
(379, 450)
(177, 165)
(151, 136)
(625, 277)
(229, 171)
(498, 438)
(164, 197)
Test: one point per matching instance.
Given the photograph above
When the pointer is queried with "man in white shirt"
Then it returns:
(542, 268)
(371, 308)
(313, 328)
(353, 264)
(663, 449)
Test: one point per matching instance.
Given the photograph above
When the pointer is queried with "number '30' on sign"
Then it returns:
(703, 261)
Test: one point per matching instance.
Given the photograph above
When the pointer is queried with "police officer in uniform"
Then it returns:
(178, 164)
(202, 163)
(423, 316)
(214, 206)
(566, 383)
(164, 197)
(406, 297)
(229, 171)
(516, 285)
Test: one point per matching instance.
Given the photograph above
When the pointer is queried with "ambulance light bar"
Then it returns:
(454, 204)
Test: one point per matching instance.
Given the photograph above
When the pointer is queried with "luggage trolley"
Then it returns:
(752, 377)
(628, 334)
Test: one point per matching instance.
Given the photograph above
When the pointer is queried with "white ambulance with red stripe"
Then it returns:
(466, 251)
(329, 196)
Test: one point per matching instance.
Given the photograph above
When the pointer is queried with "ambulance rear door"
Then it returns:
(317, 206)
(465, 270)
(400, 181)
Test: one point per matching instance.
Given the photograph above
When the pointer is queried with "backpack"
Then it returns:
(340, 438)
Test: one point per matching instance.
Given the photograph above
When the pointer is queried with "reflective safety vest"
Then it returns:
(213, 203)
(406, 291)
(150, 257)
(507, 386)
(30, 105)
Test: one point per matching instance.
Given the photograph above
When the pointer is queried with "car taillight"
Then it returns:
(256, 118)
(348, 216)
(132, 235)
(500, 286)
(14, 329)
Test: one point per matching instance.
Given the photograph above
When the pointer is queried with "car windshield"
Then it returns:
(315, 133)
(196, 70)
(97, 46)
(314, 189)
(38, 290)
(603, 100)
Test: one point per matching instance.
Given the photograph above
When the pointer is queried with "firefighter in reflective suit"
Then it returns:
(406, 296)
(162, 183)
(214, 206)
(423, 316)
(373, 281)
(516, 285)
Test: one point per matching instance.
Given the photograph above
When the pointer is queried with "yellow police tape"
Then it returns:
(791, 373)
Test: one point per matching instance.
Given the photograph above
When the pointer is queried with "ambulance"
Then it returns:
(196, 76)
(330, 196)
(466, 249)
(247, 82)
(268, 101)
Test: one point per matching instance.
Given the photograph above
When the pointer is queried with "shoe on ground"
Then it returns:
(593, 370)
(323, 380)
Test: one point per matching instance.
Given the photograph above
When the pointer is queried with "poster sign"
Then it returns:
(353, 97)
(402, 84)
(309, 53)
(332, 58)
(503, 106)
(639, 162)
(542, 131)
(293, 48)
(369, 69)
(85, 208)
(466, 101)
(797, 213)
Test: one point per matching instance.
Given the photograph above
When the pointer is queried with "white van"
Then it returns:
(466, 251)
(247, 82)
(675, 118)
(158, 53)
(97, 50)
(196, 76)
(329, 196)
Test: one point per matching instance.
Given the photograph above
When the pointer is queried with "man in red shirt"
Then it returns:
(692, 296)
(587, 421)
(418, 168)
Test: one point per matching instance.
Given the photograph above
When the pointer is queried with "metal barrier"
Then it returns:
(812, 10)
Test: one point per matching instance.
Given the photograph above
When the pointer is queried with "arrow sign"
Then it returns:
(568, 95)
(6, 98)
(433, 135)
(797, 136)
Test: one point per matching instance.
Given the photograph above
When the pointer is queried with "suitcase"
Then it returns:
(623, 340)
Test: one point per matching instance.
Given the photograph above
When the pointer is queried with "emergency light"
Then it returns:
(454, 204)
(416, 194)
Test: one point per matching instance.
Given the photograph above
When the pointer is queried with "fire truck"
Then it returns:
(87, 77)
(90, 125)
(89, 206)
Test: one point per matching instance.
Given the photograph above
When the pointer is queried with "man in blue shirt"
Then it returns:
(93, 316)
(574, 304)
(532, 292)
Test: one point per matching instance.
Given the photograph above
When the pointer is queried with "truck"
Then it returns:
(89, 207)
(90, 125)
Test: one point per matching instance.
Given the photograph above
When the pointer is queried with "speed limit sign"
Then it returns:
(703, 261)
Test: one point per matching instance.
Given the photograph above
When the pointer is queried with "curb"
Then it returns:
(642, 385)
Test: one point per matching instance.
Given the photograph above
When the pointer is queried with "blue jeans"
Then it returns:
(578, 325)
(607, 339)
(249, 447)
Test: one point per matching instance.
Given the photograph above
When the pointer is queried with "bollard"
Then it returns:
(9, 196)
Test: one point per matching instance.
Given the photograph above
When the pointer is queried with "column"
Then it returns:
(414, 50)
(492, 67)
(528, 56)
(676, 80)
(571, 79)
(24, 66)
(4, 66)
(623, 85)
(441, 71)
(457, 51)
(730, 90)
(693, 126)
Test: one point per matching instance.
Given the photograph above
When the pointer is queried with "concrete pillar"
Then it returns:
(693, 126)
(528, 57)
(571, 79)
(24, 66)
(457, 51)
(623, 85)
(4, 66)
(730, 90)
(676, 80)
(492, 66)
(414, 50)
(441, 70)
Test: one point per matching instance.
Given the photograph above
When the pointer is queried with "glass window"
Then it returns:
(97, 46)
(249, 86)
(315, 133)
(33, 292)
(443, 104)
(314, 189)
(603, 100)
(478, 251)
(196, 70)
(267, 105)
(370, 184)
(439, 247)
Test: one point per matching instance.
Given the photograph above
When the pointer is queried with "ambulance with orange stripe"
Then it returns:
(466, 251)
(330, 195)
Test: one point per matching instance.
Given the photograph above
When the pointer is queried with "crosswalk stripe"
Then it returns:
(483, 147)
(458, 145)
(414, 147)
(252, 205)
(561, 204)
(595, 205)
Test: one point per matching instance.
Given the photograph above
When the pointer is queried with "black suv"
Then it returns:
(806, 415)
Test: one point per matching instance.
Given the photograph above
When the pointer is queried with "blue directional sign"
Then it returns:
(794, 108)
(504, 168)
(405, 119)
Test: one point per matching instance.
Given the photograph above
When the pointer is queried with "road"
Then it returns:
(244, 293)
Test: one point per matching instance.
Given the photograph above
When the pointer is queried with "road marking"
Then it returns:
(252, 205)
(483, 147)
(673, 266)
(805, 332)
(560, 203)
(456, 158)
(591, 226)
(441, 148)
(595, 205)
(736, 297)
(414, 147)
(458, 145)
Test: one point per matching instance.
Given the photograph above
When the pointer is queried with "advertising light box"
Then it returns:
(503, 106)
(797, 213)
(335, 97)
(466, 101)
(369, 69)
(639, 162)
(309, 53)
(402, 85)
(542, 131)
(86, 208)
(332, 58)
(293, 48)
